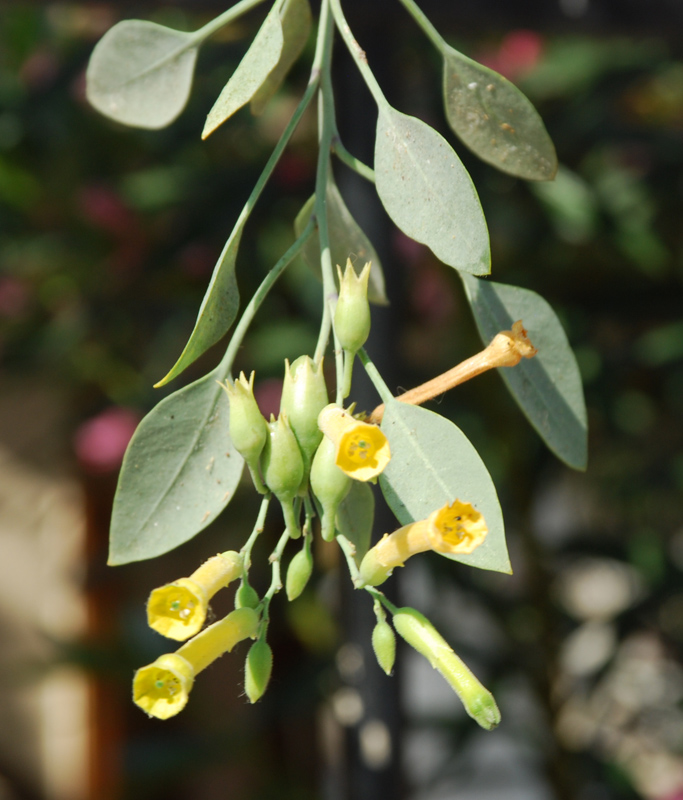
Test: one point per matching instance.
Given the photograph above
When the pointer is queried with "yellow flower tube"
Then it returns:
(362, 450)
(454, 529)
(178, 610)
(162, 688)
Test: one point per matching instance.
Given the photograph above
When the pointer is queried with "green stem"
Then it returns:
(382, 599)
(351, 161)
(375, 377)
(257, 531)
(349, 550)
(418, 15)
(223, 19)
(327, 129)
(357, 53)
(276, 580)
(259, 296)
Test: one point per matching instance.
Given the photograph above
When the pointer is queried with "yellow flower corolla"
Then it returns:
(161, 689)
(362, 450)
(454, 529)
(178, 610)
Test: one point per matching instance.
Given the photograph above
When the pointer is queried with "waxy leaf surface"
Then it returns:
(355, 517)
(347, 240)
(218, 310)
(548, 386)
(140, 73)
(295, 16)
(428, 193)
(434, 463)
(178, 474)
(258, 62)
(495, 120)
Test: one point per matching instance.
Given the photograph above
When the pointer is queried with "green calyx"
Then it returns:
(304, 395)
(248, 428)
(329, 484)
(257, 670)
(283, 468)
(299, 572)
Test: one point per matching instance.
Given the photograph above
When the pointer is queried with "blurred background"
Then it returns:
(108, 237)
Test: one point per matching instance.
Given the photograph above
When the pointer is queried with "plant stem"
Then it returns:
(375, 377)
(349, 550)
(382, 599)
(351, 161)
(276, 580)
(326, 131)
(223, 19)
(256, 532)
(259, 296)
(418, 15)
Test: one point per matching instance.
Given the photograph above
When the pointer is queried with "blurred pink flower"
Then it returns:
(519, 52)
(268, 394)
(101, 441)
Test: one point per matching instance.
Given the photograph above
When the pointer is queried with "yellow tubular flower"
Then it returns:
(362, 450)
(455, 529)
(161, 689)
(178, 610)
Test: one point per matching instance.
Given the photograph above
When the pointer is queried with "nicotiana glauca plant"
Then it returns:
(316, 458)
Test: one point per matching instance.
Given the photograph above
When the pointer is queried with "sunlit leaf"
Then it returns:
(433, 463)
(254, 68)
(295, 16)
(347, 240)
(218, 310)
(355, 517)
(140, 73)
(428, 192)
(495, 120)
(548, 386)
(178, 474)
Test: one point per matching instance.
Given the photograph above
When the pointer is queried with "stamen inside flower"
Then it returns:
(457, 528)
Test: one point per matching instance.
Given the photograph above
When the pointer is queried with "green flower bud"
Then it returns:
(304, 395)
(384, 645)
(283, 468)
(330, 485)
(257, 670)
(419, 632)
(248, 428)
(352, 315)
(299, 572)
(246, 596)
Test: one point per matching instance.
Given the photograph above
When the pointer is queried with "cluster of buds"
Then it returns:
(315, 450)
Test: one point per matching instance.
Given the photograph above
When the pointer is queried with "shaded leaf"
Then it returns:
(140, 73)
(347, 240)
(495, 120)
(295, 16)
(433, 463)
(548, 386)
(428, 193)
(355, 517)
(179, 472)
(218, 310)
(258, 62)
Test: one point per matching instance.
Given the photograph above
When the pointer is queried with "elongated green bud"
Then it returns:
(248, 428)
(246, 597)
(330, 485)
(352, 316)
(283, 469)
(304, 395)
(257, 670)
(298, 573)
(419, 632)
(384, 645)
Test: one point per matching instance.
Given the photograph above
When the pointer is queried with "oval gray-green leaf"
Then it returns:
(548, 386)
(355, 516)
(347, 240)
(428, 193)
(179, 472)
(140, 73)
(434, 463)
(495, 120)
(218, 310)
(258, 62)
(295, 16)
